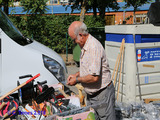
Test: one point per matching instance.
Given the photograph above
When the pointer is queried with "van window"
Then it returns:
(7, 26)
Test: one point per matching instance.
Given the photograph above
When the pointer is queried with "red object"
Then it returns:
(32, 78)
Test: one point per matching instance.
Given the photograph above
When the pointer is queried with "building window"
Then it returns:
(110, 19)
(63, 1)
(140, 18)
(53, 1)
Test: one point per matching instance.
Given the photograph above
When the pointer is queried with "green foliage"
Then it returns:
(51, 30)
(101, 5)
(0, 3)
(34, 6)
(6, 4)
(91, 21)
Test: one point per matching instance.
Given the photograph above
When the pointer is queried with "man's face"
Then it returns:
(78, 39)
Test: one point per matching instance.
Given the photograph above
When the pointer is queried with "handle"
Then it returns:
(25, 76)
(10, 112)
(19, 86)
(1, 106)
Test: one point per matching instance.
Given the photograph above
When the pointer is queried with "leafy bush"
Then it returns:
(51, 30)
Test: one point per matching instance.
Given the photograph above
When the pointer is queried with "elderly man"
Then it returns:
(94, 74)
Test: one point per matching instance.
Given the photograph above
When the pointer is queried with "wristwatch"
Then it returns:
(77, 80)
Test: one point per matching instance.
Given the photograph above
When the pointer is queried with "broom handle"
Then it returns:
(18, 87)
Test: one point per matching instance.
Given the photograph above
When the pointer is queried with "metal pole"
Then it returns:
(66, 49)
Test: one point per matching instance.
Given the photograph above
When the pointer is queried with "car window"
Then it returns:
(7, 26)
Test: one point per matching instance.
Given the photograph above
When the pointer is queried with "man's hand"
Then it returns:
(71, 80)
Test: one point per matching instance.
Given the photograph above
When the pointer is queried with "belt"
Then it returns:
(98, 92)
(109, 84)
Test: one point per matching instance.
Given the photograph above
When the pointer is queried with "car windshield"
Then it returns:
(7, 26)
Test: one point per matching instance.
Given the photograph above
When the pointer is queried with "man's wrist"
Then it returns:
(77, 81)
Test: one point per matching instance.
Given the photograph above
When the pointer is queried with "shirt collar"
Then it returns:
(87, 43)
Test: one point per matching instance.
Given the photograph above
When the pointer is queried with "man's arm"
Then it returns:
(86, 79)
(72, 77)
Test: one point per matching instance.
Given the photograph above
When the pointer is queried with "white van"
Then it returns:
(22, 56)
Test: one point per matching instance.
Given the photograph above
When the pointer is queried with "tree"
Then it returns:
(5, 4)
(35, 22)
(34, 7)
(83, 10)
(99, 5)
(135, 4)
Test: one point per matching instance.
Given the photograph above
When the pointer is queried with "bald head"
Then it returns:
(77, 27)
(78, 33)
(73, 27)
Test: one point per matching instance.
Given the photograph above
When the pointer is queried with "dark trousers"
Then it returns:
(107, 98)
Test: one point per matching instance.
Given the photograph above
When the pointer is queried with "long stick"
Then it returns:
(120, 71)
(23, 84)
(119, 60)
(115, 67)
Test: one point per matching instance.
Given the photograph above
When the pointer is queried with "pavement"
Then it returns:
(72, 69)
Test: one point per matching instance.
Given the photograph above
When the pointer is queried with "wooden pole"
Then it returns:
(119, 60)
(115, 67)
(120, 71)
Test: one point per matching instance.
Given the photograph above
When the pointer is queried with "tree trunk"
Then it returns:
(134, 16)
(95, 8)
(83, 10)
(102, 12)
(6, 6)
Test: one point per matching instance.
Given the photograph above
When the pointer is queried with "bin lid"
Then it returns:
(133, 29)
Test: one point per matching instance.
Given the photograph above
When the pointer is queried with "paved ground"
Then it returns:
(71, 70)
(71, 67)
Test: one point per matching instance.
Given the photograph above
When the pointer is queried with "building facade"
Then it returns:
(122, 16)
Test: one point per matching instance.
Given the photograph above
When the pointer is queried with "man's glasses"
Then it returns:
(74, 40)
